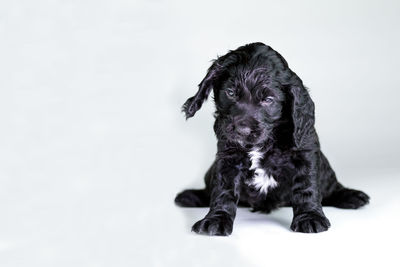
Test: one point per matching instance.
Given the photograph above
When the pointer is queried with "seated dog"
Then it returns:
(268, 150)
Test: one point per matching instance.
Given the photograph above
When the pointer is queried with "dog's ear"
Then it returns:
(302, 107)
(302, 112)
(194, 103)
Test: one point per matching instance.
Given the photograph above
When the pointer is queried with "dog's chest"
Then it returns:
(260, 180)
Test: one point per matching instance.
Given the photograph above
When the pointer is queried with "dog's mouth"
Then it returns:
(252, 138)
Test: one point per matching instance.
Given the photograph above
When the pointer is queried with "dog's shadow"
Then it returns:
(244, 215)
(281, 217)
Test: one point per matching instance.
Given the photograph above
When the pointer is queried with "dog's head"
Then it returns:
(255, 92)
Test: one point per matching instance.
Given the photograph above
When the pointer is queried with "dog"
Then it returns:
(268, 152)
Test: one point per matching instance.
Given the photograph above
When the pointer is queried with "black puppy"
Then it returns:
(268, 150)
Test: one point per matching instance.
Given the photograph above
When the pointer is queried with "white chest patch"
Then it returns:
(261, 180)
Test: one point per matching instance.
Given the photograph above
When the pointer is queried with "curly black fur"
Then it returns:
(268, 150)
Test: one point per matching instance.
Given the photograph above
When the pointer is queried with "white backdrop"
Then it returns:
(93, 147)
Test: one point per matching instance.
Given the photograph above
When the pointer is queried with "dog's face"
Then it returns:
(249, 104)
(255, 91)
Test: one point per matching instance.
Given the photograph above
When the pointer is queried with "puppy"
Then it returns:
(268, 150)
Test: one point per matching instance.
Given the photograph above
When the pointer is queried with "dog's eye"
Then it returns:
(268, 101)
(230, 92)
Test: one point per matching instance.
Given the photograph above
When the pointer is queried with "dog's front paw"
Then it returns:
(214, 224)
(310, 222)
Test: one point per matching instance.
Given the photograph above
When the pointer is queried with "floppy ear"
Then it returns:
(302, 115)
(194, 103)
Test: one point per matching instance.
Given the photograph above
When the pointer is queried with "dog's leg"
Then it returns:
(224, 198)
(308, 216)
(346, 198)
(336, 195)
(193, 198)
(196, 197)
